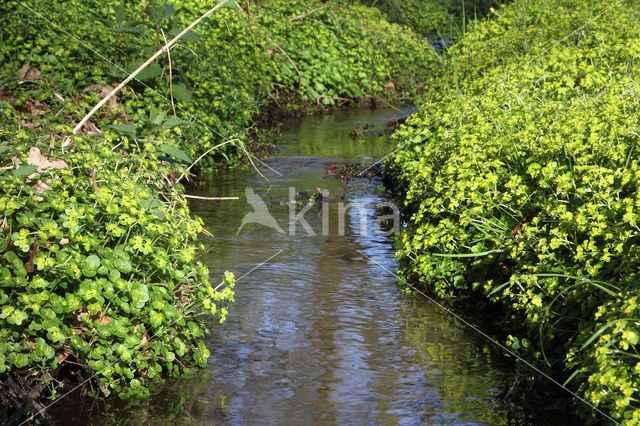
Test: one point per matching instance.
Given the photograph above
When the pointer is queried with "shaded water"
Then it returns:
(320, 332)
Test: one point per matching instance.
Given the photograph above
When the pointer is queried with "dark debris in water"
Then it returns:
(374, 130)
(347, 171)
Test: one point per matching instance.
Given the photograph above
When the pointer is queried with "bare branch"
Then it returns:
(146, 64)
(304, 15)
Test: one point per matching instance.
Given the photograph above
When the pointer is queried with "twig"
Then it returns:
(197, 197)
(302, 79)
(201, 157)
(95, 183)
(304, 15)
(252, 163)
(207, 233)
(337, 21)
(173, 105)
(143, 66)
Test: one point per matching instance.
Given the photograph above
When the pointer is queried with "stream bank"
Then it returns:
(320, 333)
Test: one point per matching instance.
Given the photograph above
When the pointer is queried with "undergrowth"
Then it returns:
(520, 174)
(98, 278)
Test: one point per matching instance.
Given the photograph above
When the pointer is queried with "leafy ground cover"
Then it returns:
(520, 175)
(98, 278)
(445, 18)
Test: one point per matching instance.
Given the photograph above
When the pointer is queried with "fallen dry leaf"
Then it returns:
(105, 320)
(36, 107)
(37, 159)
(103, 91)
(33, 253)
(30, 74)
(64, 241)
(40, 187)
(63, 357)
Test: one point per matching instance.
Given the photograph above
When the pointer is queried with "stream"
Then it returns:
(320, 332)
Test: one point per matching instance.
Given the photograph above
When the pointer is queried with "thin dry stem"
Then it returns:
(202, 156)
(304, 15)
(198, 197)
(146, 64)
(173, 105)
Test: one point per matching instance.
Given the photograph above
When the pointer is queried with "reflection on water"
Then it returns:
(321, 333)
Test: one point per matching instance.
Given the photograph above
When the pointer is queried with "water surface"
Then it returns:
(320, 332)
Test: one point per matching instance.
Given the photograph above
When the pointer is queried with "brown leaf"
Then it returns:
(103, 91)
(37, 159)
(33, 253)
(105, 320)
(79, 330)
(28, 73)
(41, 187)
(62, 357)
(516, 229)
(82, 313)
(64, 241)
(36, 107)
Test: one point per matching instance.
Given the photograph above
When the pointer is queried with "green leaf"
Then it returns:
(151, 71)
(173, 122)
(24, 171)
(123, 266)
(92, 262)
(181, 93)
(231, 4)
(175, 152)
(128, 30)
(129, 129)
(21, 360)
(150, 203)
(189, 36)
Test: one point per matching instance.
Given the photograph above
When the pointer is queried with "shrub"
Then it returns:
(521, 178)
(96, 264)
(97, 246)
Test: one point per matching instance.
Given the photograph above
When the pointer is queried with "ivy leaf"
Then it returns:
(175, 152)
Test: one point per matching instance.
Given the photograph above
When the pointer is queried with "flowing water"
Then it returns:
(320, 332)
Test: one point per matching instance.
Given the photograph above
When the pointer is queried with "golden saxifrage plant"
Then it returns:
(521, 175)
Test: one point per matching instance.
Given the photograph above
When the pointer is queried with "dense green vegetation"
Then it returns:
(521, 174)
(97, 245)
(435, 18)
